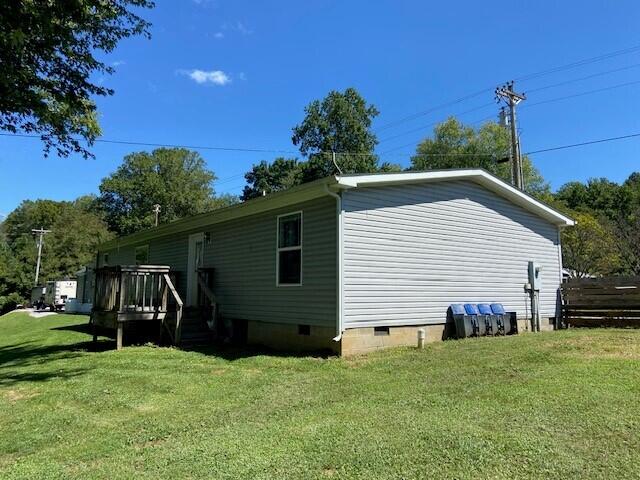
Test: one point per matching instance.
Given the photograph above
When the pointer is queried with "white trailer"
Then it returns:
(58, 292)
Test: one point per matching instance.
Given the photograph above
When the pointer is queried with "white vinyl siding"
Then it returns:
(412, 250)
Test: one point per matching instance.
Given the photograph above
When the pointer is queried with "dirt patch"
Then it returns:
(17, 395)
(592, 346)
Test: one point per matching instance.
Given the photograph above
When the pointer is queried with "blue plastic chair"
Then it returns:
(478, 323)
(490, 320)
(505, 324)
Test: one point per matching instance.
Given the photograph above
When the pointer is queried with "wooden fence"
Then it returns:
(607, 301)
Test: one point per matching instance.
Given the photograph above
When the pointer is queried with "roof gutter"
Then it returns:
(339, 263)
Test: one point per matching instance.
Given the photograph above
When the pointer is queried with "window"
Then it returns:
(105, 259)
(289, 251)
(142, 255)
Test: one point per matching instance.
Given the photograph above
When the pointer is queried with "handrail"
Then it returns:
(211, 297)
(179, 305)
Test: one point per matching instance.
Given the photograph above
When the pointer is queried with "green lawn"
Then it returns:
(549, 405)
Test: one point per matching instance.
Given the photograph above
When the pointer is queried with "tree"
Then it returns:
(455, 145)
(589, 247)
(599, 195)
(175, 178)
(281, 174)
(628, 228)
(340, 123)
(75, 234)
(48, 53)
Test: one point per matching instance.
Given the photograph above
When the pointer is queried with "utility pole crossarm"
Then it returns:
(512, 98)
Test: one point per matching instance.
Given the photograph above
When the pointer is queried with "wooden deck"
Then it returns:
(126, 293)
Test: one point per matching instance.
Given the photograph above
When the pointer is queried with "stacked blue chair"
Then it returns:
(471, 309)
(490, 320)
(473, 320)
(466, 325)
(506, 322)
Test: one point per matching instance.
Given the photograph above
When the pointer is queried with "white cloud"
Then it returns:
(243, 29)
(218, 35)
(117, 63)
(242, 76)
(216, 77)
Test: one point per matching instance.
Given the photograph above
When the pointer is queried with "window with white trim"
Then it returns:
(289, 250)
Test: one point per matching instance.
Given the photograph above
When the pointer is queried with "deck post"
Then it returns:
(119, 335)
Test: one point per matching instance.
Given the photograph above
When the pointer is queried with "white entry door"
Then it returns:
(195, 260)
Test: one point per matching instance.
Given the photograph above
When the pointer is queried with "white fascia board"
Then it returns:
(479, 176)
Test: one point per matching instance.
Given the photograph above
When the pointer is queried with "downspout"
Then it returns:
(339, 262)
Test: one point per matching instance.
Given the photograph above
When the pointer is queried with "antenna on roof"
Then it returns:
(333, 158)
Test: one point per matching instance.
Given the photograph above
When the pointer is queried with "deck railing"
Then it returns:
(206, 296)
(137, 292)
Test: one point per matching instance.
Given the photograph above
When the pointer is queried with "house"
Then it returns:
(356, 262)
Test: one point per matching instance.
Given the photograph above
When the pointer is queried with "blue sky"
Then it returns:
(239, 74)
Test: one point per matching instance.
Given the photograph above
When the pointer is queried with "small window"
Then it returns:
(105, 259)
(289, 250)
(142, 255)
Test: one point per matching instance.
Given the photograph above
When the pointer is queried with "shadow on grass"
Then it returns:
(232, 352)
(12, 379)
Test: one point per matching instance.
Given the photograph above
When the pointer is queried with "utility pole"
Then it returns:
(41, 232)
(507, 93)
(156, 211)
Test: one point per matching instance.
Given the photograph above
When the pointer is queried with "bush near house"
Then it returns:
(550, 405)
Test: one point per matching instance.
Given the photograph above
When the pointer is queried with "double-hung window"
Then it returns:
(289, 250)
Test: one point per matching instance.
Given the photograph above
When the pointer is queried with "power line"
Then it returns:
(591, 142)
(579, 63)
(430, 110)
(417, 129)
(167, 145)
(543, 102)
(582, 94)
(533, 152)
(599, 74)
(530, 76)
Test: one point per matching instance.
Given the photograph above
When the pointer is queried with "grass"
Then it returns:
(551, 405)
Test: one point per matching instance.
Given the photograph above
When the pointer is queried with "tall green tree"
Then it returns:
(75, 233)
(265, 177)
(455, 145)
(341, 123)
(175, 178)
(590, 247)
(49, 53)
(628, 230)
(599, 195)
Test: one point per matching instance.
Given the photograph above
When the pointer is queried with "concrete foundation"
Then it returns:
(354, 341)
(363, 340)
(281, 336)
